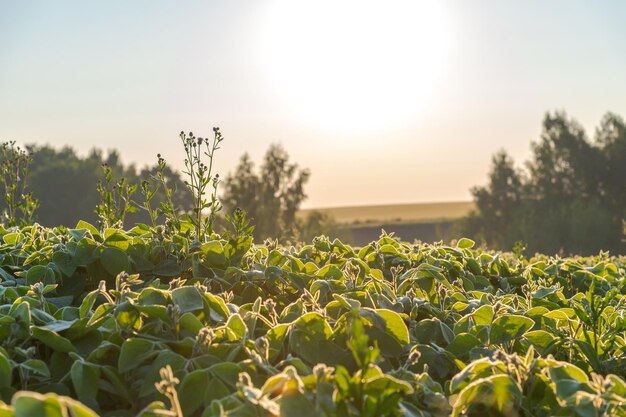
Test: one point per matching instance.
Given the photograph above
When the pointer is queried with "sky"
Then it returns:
(383, 101)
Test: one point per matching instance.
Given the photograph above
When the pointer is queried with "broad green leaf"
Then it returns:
(192, 389)
(237, 325)
(561, 314)
(36, 367)
(190, 322)
(214, 254)
(462, 344)
(6, 371)
(114, 260)
(65, 262)
(483, 315)
(541, 339)
(187, 299)
(91, 228)
(116, 238)
(32, 404)
(497, 390)
(134, 352)
(167, 268)
(395, 326)
(152, 375)
(128, 316)
(218, 310)
(509, 327)
(85, 379)
(465, 243)
(52, 339)
(40, 273)
(296, 404)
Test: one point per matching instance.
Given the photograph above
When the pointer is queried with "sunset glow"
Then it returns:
(355, 66)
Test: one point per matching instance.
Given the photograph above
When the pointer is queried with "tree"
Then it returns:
(271, 197)
(571, 198)
(565, 166)
(498, 202)
(611, 138)
(65, 184)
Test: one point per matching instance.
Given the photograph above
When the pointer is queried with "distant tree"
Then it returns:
(565, 166)
(611, 138)
(65, 184)
(498, 203)
(271, 197)
(572, 197)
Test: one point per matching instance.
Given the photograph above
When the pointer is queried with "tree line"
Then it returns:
(570, 197)
(67, 188)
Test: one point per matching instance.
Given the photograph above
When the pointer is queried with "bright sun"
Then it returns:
(356, 65)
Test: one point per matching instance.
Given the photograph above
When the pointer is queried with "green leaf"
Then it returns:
(237, 325)
(52, 339)
(190, 392)
(152, 376)
(509, 327)
(378, 385)
(214, 255)
(227, 372)
(394, 325)
(84, 225)
(40, 273)
(134, 352)
(296, 404)
(31, 404)
(187, 299)
(87, 304)
(306, 337)
(114, 260)
(37, 367)
(465, 243)
(483, 315)
(167, 268)
(218, 310)
(128, 316)
(85, 379)
(541, 339)
(566, 388)
(6, 372)
(496, 390)
(116, 238)
(462, 344)
(190, 322)
(433, 331)
(65, 262)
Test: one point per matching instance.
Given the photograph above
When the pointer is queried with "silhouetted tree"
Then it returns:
(571, 199)
(271, 197)
(65, 185)
(611, 137)
(498, 202)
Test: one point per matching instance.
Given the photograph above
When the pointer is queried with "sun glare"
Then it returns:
(355, 66)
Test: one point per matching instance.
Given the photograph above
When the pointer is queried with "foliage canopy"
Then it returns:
(571, 197)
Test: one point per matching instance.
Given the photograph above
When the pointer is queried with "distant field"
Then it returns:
(397, 213)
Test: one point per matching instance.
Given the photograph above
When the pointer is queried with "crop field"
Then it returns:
(397, 213)
(146, 322)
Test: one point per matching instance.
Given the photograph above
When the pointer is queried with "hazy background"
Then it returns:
(131, 75)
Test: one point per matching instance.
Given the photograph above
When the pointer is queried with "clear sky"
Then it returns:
(385, 102)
